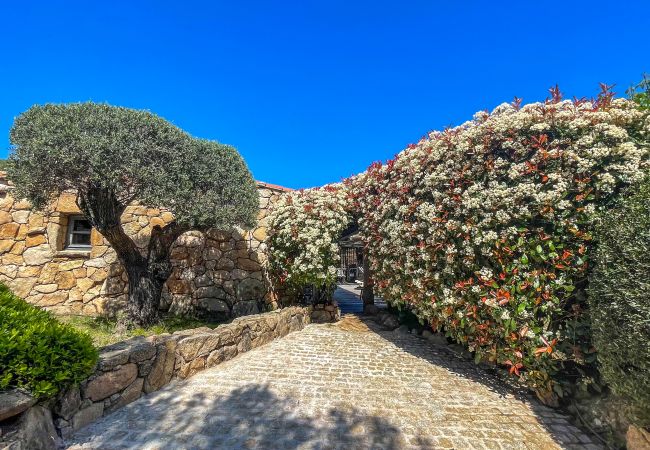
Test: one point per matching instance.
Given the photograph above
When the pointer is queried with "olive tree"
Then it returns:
(113, 156)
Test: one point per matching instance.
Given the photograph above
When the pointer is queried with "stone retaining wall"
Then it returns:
(326, 313)
(217, 274)
(140, 365)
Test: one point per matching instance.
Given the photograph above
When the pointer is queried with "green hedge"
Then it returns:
(37, 352)
(620, 299)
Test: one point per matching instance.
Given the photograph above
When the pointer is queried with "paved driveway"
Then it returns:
(343, 386)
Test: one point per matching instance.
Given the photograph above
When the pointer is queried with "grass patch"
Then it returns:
(104, 331)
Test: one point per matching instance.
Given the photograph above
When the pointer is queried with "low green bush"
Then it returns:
(37, 352)
(619, 288)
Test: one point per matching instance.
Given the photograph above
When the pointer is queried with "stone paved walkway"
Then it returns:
(343, 386)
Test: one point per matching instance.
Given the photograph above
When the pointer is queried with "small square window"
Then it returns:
(78, 233)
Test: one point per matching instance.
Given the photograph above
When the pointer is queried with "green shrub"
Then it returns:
(37, 352)
(620, 299)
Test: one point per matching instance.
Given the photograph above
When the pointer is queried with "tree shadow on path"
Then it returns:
(251, 417)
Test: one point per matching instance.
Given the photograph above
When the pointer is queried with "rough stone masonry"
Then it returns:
(127, 370)
(217, 274)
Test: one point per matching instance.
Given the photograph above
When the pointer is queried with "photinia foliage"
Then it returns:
(485, 230)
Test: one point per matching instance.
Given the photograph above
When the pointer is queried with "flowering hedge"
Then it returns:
(484, 230)
(305, 226)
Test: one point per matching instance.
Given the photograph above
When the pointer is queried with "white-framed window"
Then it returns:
(78, 236)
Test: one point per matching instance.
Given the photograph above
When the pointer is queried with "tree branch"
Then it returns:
(159, 249)
(104, 211)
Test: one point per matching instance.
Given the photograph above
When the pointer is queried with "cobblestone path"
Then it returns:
(343, 386)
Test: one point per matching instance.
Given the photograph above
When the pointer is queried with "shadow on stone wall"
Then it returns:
(216, 275)
(251, 417)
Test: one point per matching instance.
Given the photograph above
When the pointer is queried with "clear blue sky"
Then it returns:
(310, 92)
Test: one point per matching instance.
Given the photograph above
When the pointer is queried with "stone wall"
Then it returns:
(218, 274)
(138, 366)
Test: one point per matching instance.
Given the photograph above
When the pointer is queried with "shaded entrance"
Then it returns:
(348, 297)
(355, 288)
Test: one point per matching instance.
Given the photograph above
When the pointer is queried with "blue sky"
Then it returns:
(311, 92)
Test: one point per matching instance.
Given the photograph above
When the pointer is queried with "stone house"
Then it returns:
(58, 262)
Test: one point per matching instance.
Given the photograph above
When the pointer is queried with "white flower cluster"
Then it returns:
(305, 228)
(444, 203)
(482, 228)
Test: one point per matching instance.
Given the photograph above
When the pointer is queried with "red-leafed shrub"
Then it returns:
(484, 230)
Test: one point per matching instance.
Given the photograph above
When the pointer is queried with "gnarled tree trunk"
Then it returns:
(146, 274)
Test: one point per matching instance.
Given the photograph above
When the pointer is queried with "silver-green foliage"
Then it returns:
(619, 298)
(134, 154)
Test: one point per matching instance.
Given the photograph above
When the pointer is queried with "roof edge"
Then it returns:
(260, 184)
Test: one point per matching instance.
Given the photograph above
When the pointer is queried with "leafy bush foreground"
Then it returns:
(619, 299)
(38, 353)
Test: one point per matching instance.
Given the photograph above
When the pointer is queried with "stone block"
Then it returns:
(188, 348)
(130, 394)
(203, 280)
(87, 415)
(9, 230)
(177, 286)
(210, 292)
(211, 254)
(214, 305)
(5, 245)
(69, 265)
(35, 430)
(20, 216)
(194, 366)
(245, 308)
(225, 264)
(244, 343)
(68, 403)
(53, 298)
(391, 322)
(46, 288)
(67, 203)
(248, 264)
(216, 357)
(140, 349)
(260, 234)
(5, 217)
(163, 366)
(65, 280)
(321, 316)
(110, 383)
(144, 368)
(33, 241)
(637, 438)
(14, 402)
(36, 256)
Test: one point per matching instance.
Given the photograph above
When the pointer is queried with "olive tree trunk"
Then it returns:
(147, 280)
(148, 272)
(145, 292)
